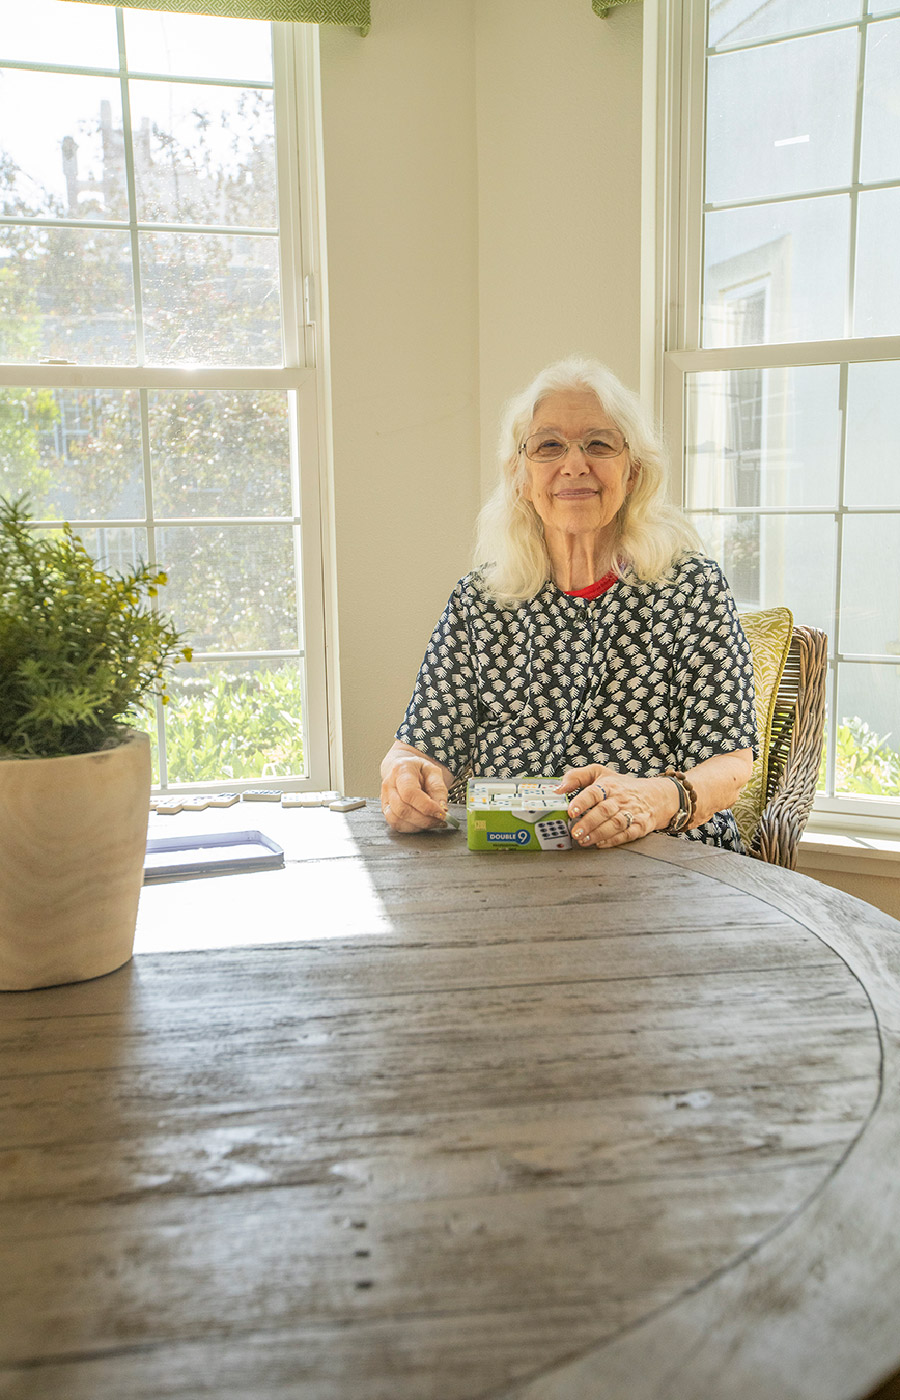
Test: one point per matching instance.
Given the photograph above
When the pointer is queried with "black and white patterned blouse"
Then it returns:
(645, 677)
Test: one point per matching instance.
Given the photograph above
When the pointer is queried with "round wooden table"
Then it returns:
(403, 1122)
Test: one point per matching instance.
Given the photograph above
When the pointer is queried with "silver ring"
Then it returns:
(603, 790)
(628, 819)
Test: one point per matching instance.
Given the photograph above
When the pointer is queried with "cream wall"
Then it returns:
(559, 193)
(482, 192)
(402, 239)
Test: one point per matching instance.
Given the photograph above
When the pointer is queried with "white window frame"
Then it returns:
(301, 221)
(674, 67)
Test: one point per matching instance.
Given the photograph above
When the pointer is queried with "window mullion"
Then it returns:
(766, 201)
(788, 354)
(694, 166)
(682, 146)
(771, 39)
(832, 677)
(128, 152)
(675, 426)
(153, 559)
(854, 189)
(288, 196)
(148, 479)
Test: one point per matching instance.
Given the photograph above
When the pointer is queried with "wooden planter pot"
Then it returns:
(73, 832)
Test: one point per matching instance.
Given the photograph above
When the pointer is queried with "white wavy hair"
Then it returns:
(650, 533)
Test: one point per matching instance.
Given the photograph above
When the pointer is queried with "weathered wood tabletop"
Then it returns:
(403, 1122)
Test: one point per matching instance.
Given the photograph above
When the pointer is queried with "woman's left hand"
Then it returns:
(612, 808)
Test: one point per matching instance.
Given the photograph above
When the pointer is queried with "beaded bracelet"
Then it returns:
(687, 801)
(682, 816)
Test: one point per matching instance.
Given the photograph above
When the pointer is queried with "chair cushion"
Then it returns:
(769, 634)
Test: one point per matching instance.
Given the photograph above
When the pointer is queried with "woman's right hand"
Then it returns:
(414, 790)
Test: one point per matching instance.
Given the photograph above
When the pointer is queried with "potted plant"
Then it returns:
(81, 651)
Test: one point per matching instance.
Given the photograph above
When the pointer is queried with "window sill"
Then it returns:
(850, 853)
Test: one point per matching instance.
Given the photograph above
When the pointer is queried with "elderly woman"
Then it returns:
(597, 642)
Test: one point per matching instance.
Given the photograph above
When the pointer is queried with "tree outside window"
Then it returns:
(142, 272)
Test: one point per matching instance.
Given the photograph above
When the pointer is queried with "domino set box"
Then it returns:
(522, 814)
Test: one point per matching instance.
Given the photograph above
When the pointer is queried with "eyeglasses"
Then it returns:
(549, 446)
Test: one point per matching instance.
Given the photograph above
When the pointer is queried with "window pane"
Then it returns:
(731, 23)
(204, 155)
(780, 118)
(776, 560)
(66, 161)
(764, 437)
(220, 452)
(231, 588)
(872, 469)
(870, 585)
(883, 7)
(235, 719)
(198, 46)
(77, 452)
(46, 31)
(66, 293)
(822, 782)
(211, 299)
(880, 158)
(116, 549)
(776, 272)
(877, 302)
(867, 753)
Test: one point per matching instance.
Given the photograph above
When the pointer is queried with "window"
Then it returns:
(782, 363)
(158, 386)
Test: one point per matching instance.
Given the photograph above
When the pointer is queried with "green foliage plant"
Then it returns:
(82, 650)
(225, 726)
(864, 762)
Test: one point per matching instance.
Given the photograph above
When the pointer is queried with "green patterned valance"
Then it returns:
(603, 7)
(353, 12)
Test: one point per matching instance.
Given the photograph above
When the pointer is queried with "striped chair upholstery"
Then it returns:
(789, 669)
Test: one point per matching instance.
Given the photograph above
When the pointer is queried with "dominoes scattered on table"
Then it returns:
(537, 794)
(170, 806)
(309, 799)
